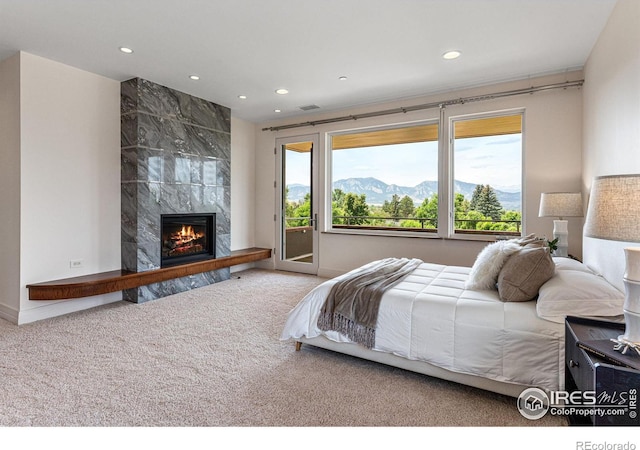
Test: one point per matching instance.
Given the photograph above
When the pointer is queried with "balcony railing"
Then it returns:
(517, 223)
(395, 224)
(387, 222)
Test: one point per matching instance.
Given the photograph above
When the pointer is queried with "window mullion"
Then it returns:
(444, 176)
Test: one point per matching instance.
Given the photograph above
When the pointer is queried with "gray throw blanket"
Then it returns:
(352, 305)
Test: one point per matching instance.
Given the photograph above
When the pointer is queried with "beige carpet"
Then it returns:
(212, 357)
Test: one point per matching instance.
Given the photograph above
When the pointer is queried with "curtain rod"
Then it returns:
(440, 104)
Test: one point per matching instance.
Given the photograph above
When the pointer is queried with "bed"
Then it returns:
(498, 325)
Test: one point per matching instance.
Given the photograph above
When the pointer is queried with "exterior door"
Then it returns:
(297, 205)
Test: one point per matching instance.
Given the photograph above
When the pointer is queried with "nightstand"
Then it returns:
(614, 389)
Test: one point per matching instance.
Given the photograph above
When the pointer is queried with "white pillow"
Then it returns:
(485, 270)
(564, 263)
(578, 293)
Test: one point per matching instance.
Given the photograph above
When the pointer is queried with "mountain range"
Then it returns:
(378, 192)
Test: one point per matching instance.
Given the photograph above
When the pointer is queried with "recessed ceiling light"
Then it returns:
(126, 50)
(282, 91)
(194, 77)
(277, 110)
(242, 97)
(342, 78)
(453, 54)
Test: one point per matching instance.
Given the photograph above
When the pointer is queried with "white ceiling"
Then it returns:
(388, 49)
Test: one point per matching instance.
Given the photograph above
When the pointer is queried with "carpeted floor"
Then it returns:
(212, 357)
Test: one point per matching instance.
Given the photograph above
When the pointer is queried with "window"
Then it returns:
(487, 174)
(385, 179)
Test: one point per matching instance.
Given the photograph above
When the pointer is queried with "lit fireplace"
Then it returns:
(187, 238)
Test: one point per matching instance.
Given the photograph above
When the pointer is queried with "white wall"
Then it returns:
(69, 180)
(552, 162)
(612, 120)
(10, 187)
(612, 97)
(243, 186)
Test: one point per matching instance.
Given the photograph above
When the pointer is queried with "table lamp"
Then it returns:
(560, 205)
(614, 214)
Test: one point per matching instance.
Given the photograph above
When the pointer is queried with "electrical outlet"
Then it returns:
(75, 263)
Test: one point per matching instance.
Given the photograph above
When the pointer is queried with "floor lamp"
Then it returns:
(560, 205)
(614, 214)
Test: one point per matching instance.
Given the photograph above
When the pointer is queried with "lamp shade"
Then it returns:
(561, 204)
(614, 208)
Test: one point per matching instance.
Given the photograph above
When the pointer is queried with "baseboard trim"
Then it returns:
(60, 308)
(8, 313)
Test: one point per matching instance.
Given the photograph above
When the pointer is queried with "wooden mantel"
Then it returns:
(118, 280)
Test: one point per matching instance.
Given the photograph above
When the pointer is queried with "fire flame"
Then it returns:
(186, 234)
(184, 241)
(187, 231)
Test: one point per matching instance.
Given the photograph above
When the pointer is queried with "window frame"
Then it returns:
(374, 231)
(450, 213)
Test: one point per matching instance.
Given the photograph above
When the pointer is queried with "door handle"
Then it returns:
(315, 222)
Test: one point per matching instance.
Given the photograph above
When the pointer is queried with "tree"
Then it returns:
(337, 214)
(428, 209)
(406, 207)
(289, 205)
(472, 218)
(475, 197)
(392, 207)
(485, 201)
(337, 206)
(491, 206)
(514, 218)
(301, 209)
(461, 206)
(338, 196)
(355, 206)
(410, 224)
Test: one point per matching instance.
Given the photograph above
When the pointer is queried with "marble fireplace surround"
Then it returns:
(175, 159)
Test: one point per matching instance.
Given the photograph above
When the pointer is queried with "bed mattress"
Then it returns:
(429, 316)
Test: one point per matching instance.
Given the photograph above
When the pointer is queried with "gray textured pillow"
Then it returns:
(523, 274)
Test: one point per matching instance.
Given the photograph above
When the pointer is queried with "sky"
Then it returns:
(494, 160)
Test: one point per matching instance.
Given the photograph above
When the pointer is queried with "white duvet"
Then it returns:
(430, 317)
